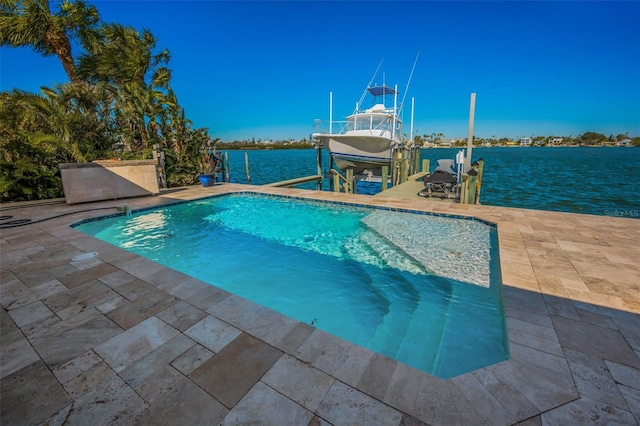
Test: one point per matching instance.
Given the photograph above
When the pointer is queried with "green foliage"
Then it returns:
(23, 180)
(239, 145)
(117, 104)
(591, 138)
(32, 23)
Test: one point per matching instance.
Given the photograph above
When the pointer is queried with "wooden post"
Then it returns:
(246, 162)
(319, 164)
(425, 166)
(404, 169)
(395, 171)
(416, 162)
(479, 184)
(392, 168)
(336, 182)
(349, 183)
(464, 189)
(471, 189)
(385, 177)
(226, 166)
(158, 157)
(331, 169)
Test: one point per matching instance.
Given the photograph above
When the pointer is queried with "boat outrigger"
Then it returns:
(371, 138)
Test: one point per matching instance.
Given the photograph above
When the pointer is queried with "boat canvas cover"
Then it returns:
(381, 90)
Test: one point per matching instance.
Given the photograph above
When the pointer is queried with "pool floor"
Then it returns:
(349, 271)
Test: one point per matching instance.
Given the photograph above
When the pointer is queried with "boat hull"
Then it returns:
(358, 152)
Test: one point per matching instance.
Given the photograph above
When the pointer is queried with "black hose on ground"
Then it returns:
(22, 222)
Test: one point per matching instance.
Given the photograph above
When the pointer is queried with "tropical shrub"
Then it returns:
(118, 102)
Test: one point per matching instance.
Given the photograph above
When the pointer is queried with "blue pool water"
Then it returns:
(422, 289)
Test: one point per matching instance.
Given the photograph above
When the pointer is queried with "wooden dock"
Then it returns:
(408, 189)
(468, 192)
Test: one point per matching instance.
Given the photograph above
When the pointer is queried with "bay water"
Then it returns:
(600, 181)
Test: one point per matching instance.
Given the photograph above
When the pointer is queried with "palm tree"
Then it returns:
(119, 95)
(31, 23)
(125, 59)
(68, 123)
(123, 55)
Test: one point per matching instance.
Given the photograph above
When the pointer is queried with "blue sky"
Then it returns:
(264, 69)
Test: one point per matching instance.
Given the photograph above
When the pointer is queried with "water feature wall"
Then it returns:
(108, 180)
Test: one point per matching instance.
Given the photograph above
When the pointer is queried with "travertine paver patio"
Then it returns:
(118, 339)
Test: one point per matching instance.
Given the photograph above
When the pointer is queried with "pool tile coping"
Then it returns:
(536, 380)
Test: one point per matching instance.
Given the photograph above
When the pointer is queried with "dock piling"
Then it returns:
(349, 184)
(425, 166)
(464, 189)
(479, 182)
(246, 162)
(226, 166)
(319, 165)
(385, 177)
(471, 189)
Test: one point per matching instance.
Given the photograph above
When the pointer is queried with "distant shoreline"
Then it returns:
(286, 148)
(536, 146)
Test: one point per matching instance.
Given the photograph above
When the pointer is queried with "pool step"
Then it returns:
(435, 249)
(415, 319)
(400, 293)
(485, 339)
(425, 334)
(389, 254)
(390, 334)
(381, 237)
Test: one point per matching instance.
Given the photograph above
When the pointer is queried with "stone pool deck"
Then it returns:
(118, 339)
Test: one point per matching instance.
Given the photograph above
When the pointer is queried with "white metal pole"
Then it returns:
(472, 111)
(355, 118)
(413, 104)
(330, 111)
(395, 110)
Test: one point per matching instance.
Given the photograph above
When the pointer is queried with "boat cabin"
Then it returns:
(375, 118)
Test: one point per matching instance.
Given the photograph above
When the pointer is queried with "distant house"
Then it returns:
(555, 141)
(624, 142)
(525, 142)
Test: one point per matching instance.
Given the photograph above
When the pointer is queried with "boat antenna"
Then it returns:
(408, 82)
(364, 94)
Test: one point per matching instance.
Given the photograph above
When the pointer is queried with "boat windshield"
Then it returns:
(369, 122)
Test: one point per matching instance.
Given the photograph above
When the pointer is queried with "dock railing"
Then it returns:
(343, 184)
(297, 181)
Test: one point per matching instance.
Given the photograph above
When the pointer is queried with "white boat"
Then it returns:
(366, 141)
(371, 135)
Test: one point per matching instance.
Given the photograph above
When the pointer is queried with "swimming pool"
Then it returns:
(422, 289)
